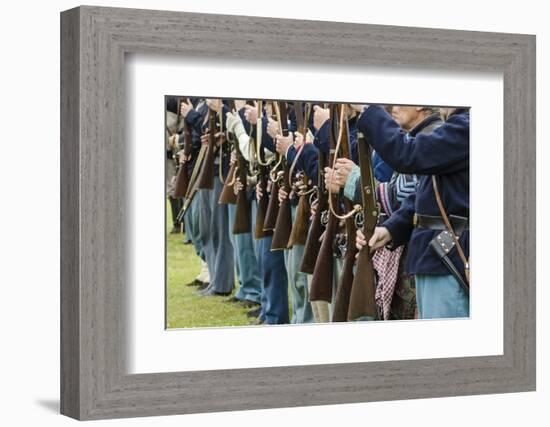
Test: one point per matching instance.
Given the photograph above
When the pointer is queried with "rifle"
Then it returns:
(193, 184)
(362, 302)
(283, 223)
(321, 282)
(182, 177)
(242, 213)
(273, 206)
(205, 180)
(227, 195)
(348, 249)
(298, 234)
(263, 173)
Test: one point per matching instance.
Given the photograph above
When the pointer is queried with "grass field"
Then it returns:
(185, 309)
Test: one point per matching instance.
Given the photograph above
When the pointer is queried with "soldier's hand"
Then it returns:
(313, 209)
(172, 141)
(215, 104)
(259, 192)
(282, 195)
(298, 139)
(360, 241)
(185, 107)
(320, 116)
(239, 104)
(283, 142)
(204, 138)
(343, 169)
(333, 181)
(380, 238)
(358, 107)
(237, 186)
(272, 127)
(251, 113)
(233, 158)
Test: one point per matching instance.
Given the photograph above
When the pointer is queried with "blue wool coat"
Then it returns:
(444, 152)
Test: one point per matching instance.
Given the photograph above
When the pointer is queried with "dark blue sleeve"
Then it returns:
(321, 138)
(267, 141)
(194, 120)
(292, 126)
(309, 161)
(400, 223)
(353, 144)
(443, 151)
(382, 171)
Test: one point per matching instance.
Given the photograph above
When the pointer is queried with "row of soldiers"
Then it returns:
(359, 212)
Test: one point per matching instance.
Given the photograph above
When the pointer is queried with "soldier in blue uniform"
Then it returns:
(443, 153)
(303, 155)
(274, 295)
(213, 218)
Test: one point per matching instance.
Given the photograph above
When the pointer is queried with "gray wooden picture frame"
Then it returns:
(94, 268)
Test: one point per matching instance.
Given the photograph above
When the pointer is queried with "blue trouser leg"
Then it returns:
(301, 307)
(192, 226)
(440, 296)
(204, 236)
(219, 255)
(250, 288)
(274, 278)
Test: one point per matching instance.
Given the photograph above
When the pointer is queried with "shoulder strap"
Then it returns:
(450, 228)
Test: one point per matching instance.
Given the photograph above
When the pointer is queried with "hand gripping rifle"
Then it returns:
(298, 235)
(205, 180)
(321, 282)
(182, 178)
(362, 302)
(347, 244)
(283, 223)
(273, 206)
(263, 176)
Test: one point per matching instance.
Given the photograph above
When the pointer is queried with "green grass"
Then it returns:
(185, 309)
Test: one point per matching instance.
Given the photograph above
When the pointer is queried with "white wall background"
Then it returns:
(29, 237)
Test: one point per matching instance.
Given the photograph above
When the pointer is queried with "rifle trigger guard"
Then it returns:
(359, 219)
(324, 218)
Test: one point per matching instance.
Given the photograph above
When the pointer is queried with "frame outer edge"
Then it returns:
(70, 396)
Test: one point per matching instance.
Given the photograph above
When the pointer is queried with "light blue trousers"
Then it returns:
(440, 296)
(246, 264)
(214, 226)
(297, 281)
(192, 229)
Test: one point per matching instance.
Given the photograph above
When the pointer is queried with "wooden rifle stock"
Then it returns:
(313, 245)
(272, 207)
(227, 195)
(263, 203)
(283, 223)
(321, 282)
(362, 298)
(205, 180)
(242, 213)
(182, 178)
(298, 235)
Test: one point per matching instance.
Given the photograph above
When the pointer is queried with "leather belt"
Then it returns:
(459, 223)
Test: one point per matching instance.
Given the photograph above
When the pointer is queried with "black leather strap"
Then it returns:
(459, 223)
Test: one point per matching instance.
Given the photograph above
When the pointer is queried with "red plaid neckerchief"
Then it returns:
(386, 264)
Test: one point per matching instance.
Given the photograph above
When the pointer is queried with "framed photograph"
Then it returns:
(262, 213)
